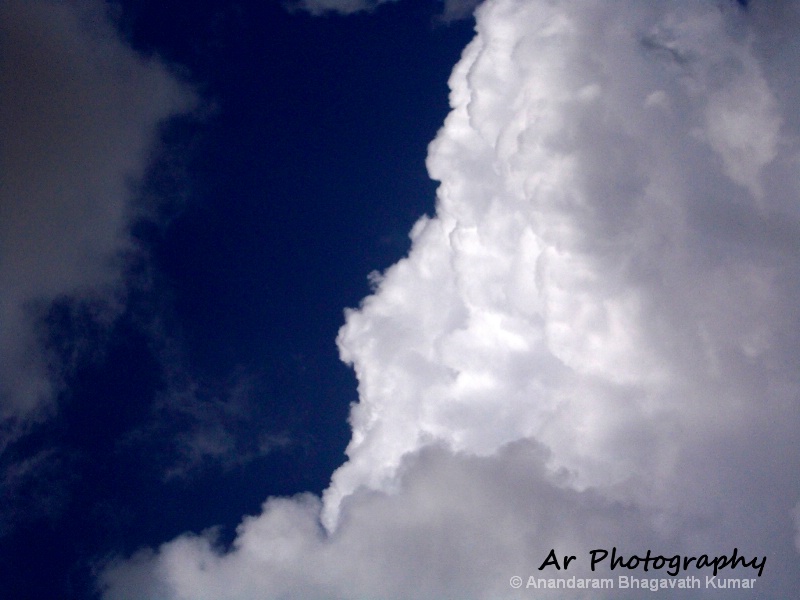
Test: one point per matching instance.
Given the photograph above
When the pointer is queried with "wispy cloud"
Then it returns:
(452, 10)
(195, 426)
(344, 7)
(80, 113)
(34, 487)
(79, 119)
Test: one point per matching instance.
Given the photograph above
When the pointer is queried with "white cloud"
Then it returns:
(79, 116)
(430, 540)
(594, 341)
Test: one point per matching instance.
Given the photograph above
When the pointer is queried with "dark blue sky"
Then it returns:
(591, 343)
(301, 171)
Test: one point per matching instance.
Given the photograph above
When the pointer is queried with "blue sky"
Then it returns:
(346, 300)
(298, 169)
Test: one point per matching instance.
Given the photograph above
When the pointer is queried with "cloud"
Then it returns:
(79, 123)
(197, 425)
(429, 540)
(453, 10)
(34, 487)
(344, 7)
(593, 343)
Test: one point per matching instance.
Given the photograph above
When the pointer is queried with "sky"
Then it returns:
(396, 300)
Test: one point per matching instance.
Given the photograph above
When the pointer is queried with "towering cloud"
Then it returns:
(593, 343)
(79, 112)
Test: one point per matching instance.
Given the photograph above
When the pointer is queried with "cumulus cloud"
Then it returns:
(429, 540)
(79, 117)
(593, 343)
